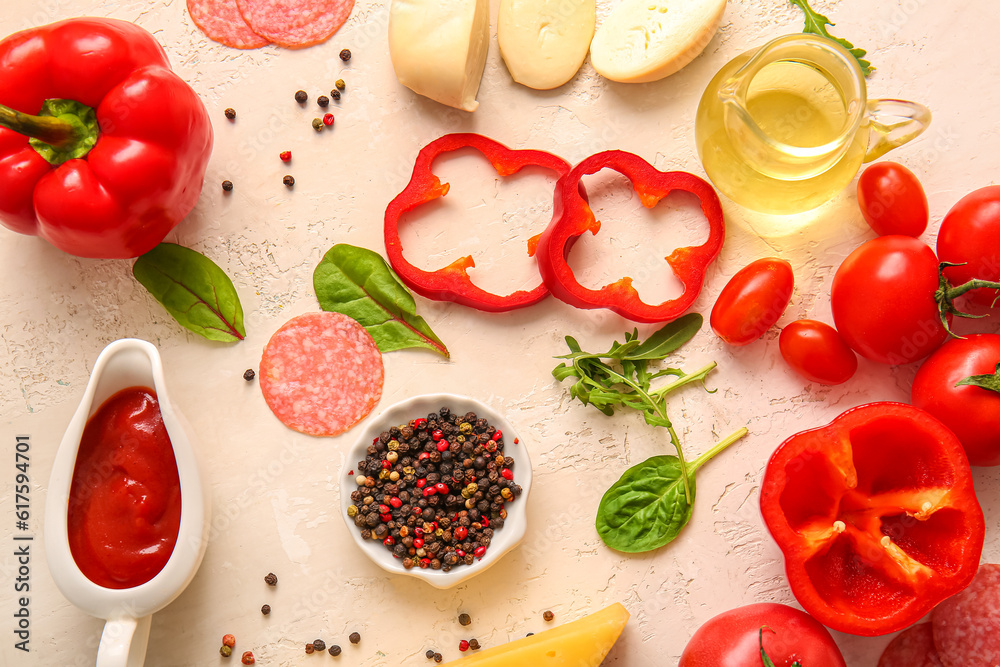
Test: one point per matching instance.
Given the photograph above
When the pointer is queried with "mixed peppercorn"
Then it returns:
(434, 491)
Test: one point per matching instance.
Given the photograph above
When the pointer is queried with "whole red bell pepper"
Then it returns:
(452, 283)
(572, 216)
(103, 149)
(876, 516)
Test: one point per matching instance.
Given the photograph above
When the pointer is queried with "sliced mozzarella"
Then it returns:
(544, 42)
(646, 40)
(438, 48)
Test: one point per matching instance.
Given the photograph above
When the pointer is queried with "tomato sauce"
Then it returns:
(125, 499)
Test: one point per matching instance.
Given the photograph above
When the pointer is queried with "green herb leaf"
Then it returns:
(647, 507)
(816, 24)
(360, 284)
(991, 382)
(194, 290)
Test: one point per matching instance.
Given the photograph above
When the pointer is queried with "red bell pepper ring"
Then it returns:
(573, 216)
(452, 283)
(118, 148)
(876, 516)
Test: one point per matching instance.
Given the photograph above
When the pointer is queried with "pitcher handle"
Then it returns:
(123, 642)
(893, 123)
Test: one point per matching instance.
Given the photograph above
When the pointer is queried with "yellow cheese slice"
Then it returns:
(646, 40)
(544, 42)
(438, 48)
(580, 643)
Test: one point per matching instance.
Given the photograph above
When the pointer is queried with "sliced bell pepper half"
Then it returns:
(452, 283)
(876, 516)
(573, 216)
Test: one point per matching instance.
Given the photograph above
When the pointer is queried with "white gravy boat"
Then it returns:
(127, 363)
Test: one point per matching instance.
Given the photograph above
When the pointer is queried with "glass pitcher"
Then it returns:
(784, 128)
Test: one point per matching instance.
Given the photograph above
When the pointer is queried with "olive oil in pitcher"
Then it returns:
(785, 128)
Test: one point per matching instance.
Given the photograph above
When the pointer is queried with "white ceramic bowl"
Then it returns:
(127, 363)
(504, 539)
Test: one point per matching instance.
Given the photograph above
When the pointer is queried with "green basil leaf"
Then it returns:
(669, 338)
(360, 284)
(646, 508)
(194, 290)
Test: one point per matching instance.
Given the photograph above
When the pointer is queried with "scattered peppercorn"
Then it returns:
(328, 119)
(529, 634)
(317, 124)
(464, 619)
(227, 186)
(323, 101)
(225, 651)
(548, 615)
(266, 609)
(355, 638)
(438, 657)
(310, 649)
(319, 644)
(474, 644)
(249, 375)
(248, 658)
(345, 55)
(301, 96)
(340, 84)
(335, 94)
(285, 156)
(288, 180)
(430, 654)
(271, 579)
(463, 645)
(229, 640)
(335, 650)
(231, 113)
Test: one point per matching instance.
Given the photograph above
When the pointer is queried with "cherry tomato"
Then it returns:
(970, 234)
(753, 300)
(816, 351)
(883, 300)
(892, 200)
(732, 639)
(972, 412)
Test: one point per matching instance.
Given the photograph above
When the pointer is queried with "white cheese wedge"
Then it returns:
(646, 40)
(438, 48)
(544, 42)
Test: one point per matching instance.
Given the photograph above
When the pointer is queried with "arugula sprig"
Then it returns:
(606, 388)
(653, 500)
(816, 24)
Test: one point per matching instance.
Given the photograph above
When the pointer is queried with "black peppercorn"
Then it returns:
(323, 101)
(430, 654)
(266, 609)
(345, 55)
(355, 637)
(271, 579)
(301, 96)
(249, 375)
(335, 94)
(548, 615)
(474, 644)
(438, 657)
(230, 113)
(227, 186)
(464, 619)
(310, 649)
(288, 180)
(319, 645)
(334, 650)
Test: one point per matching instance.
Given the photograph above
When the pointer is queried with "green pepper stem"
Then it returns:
(56, 132)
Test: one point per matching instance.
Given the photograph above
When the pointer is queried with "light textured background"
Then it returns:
(58, 312)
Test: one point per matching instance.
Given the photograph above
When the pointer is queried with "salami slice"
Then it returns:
(321, 373)
(967, 625)
(913, 647)
(295, 23)
(221, 21)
